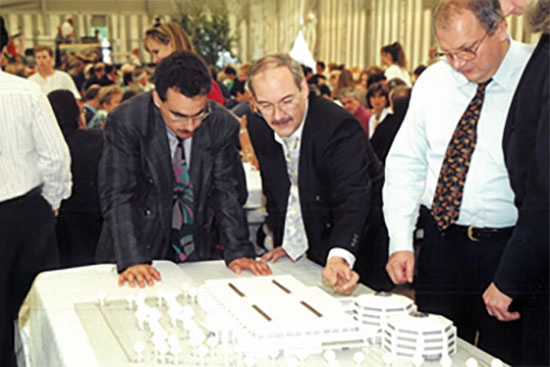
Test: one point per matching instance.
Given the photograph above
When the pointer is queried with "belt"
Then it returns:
(33, 192)
(480, 233)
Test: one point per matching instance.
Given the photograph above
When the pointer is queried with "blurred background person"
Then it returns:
(109, 99)
(377, 97)
(161, 40)
(394, 59)
(79, 220)
(350, 101)
(48, 78)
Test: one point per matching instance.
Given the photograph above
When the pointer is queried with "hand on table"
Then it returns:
(400, 267)
(140, 274)
(339, 275)
(274, 255)
(497, 304)
(256, 267)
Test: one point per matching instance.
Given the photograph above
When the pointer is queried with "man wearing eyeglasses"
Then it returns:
(447, 156)
(170, 160)
(321, 179)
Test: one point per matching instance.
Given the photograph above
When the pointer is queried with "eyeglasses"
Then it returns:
(466, 54)
(268, 109)
(201, 116)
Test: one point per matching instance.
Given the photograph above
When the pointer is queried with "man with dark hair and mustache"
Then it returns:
(170, 162)
(321, 178)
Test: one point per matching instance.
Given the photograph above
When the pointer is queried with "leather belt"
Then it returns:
(480, 233)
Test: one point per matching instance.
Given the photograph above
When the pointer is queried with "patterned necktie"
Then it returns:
(454, 169)
(294, 237)
(182, 211)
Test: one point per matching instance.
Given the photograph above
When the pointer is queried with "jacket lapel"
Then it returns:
(158, 161)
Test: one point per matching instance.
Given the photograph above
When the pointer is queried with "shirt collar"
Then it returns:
(503, 77)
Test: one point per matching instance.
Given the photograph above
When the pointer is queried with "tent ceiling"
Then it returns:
(93, 6)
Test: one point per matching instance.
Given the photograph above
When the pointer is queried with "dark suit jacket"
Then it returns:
(383, 136)
(523, 271)
(135, 182)
(340, 181)
(79, 220)
(524, 263)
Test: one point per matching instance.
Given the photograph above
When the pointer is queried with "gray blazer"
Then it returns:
(135, 187)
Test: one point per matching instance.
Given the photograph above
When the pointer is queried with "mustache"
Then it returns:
(281, 121)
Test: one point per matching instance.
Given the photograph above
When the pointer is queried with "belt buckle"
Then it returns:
(470, 234)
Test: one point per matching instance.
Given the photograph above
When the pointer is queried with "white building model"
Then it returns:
(267, 316)
(276, 314)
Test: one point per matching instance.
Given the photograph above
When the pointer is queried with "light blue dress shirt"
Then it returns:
(438, 101)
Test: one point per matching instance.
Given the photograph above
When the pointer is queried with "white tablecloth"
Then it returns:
(56, 338)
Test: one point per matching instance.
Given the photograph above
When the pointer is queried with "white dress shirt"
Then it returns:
(335, 251)
(394, 71)
(58, 80)
(437, 103)
(33, 151)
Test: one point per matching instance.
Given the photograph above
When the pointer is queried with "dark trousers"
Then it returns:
(534, 338)
(77, 236)
(27, 247)
(453, 273)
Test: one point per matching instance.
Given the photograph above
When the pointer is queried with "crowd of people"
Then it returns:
(132, 164)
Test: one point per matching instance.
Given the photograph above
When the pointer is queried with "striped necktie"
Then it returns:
(182, 211)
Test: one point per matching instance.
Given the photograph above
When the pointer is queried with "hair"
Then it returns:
(128, 94)
(487, 12)
(315, 79)
(377, 88)
(245, 68)
(376, 78)
(99, 66)
(276, 61)
(419, 70)
(348, 92)
(400, 97)
(184, 71)
(65, 108)
(127, 77)
(229, 70)
(41, 48)
(345, 79)
(321, 64)
(324, 90)
(106, 93)
(374, 69)
(4, 38)
(306, 69)
(397, 53)
(395, 82)
(137, 74)
(537, 16)
(91, 92)
(169, 32)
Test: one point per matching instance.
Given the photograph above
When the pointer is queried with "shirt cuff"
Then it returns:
(343, 253)
(402, 241)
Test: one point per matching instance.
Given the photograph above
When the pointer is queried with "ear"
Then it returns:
(304, 88)
(156, 98)
(501, 30)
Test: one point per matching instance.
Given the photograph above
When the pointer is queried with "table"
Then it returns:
(56, 336)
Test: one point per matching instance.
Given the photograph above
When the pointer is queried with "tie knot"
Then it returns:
(180, 142)
(482, 86)
(291, 143)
